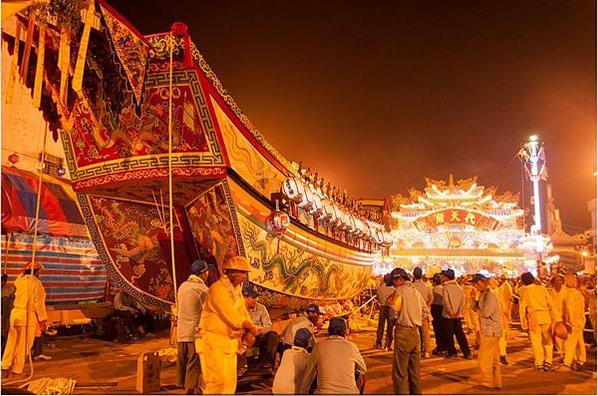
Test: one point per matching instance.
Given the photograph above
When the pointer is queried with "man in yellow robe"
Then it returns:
(557, 294)
(575, 320)
(537, 315)
(224, 321)
(28, 312)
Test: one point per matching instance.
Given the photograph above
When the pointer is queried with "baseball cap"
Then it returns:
(249, 290)
(314, 308)
(199, 267)
(478, 278)
(302, 338)
(399, 273)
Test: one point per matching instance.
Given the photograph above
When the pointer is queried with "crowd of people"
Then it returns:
(220, 325)
(552, 310)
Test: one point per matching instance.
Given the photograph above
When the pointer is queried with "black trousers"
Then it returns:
(454, 328)
(439, 328)
(268, 344)
(384, 319)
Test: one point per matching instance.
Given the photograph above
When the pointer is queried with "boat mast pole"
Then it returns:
(170, 205)
(39, 195)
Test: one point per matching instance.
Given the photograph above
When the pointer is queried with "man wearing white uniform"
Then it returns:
(28, 312)
(190, 296)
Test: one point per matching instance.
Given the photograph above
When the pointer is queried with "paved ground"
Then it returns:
(102, 367)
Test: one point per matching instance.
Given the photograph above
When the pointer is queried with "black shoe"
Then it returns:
(503, 360)
(450, 355)
(468, 357)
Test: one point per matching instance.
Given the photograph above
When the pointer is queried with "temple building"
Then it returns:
(461, 225)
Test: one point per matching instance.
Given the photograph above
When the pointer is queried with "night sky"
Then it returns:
(378, 95)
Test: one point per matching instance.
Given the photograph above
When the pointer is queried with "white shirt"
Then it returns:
(260, 316)
(290, 372)
(300, 322)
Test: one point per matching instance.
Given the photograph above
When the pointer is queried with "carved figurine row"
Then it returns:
(307, 198)
(333, 193)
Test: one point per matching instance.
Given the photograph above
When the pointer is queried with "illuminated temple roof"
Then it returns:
(466, 194)
(458, 222)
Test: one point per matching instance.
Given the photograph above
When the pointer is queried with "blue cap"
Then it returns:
(199, 267)
(249, 290)
(399, 273)
(302, 338)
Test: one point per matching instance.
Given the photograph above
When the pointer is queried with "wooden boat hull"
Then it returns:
(115, 133)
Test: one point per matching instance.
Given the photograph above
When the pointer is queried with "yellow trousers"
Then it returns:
(559, 343)
(218, 357)
(425, 335)
(489, 362)
(502, 344)
(575, 347)
(21, 335)
(541, 338)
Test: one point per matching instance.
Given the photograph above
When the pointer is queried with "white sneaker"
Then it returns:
(43, 357)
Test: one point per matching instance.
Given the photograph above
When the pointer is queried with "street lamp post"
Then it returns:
(532, 156)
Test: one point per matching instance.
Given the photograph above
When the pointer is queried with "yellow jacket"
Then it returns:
(30, 296)
(536, 306)
(557, 300)
(223, 314)
(574, 308)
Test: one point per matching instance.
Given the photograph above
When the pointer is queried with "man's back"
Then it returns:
(453, 299)
(336, 361)
(424, 289)
(191, 296)
(290, 372)
(537, 302)
(300, 322)
(574, 307)
(30, 296)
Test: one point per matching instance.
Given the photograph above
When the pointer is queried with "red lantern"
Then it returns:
(13, 158)
(277, 222)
